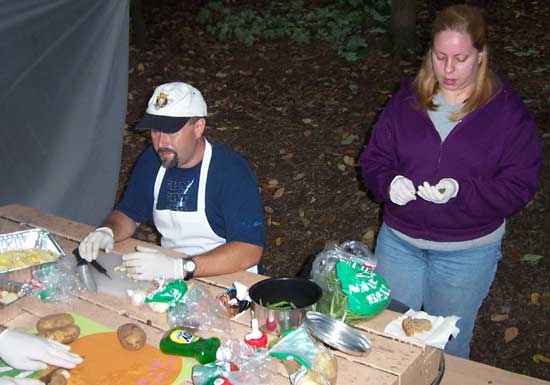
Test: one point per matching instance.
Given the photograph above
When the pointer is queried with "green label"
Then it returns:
(181, 336)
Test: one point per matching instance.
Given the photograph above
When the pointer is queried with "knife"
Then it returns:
(94, 263)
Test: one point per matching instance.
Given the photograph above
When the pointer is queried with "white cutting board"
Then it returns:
(120, 282)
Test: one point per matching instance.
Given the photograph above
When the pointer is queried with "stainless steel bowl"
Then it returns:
(336, 334)
(301, 292)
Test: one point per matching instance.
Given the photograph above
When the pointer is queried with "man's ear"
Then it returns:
(199, 127)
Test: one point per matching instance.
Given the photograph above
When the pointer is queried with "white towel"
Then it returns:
(438, 336)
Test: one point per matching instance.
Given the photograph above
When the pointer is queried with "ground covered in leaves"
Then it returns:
(301, 114)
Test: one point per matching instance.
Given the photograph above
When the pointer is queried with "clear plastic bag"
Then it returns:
(305, 358)
(334, 301)
(55, 284)
(238, 363)
(199, 311)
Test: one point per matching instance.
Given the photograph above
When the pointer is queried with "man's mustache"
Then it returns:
(165, 150)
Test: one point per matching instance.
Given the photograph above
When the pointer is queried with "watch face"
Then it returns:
(189, 266)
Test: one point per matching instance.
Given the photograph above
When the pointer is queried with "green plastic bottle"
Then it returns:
(180, 342)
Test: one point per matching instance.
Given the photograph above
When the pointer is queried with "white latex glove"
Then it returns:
(25, 351)
(148, 264)
(441, 193)
(19, 381)
(101, 238)
(402, 190)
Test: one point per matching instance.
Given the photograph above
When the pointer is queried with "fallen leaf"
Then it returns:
(307, 120)
(279, 193)
(287, 156)
(140, 68)
(349, 139)
(531, 258)
(299, 176)
(535, 298)
(268, 210)
(221, 75)
(538, 358)
(349, 160)
(279, 241)
(510, 334)
(222, 128)
(272, 183)
(307, 132)
(341, 167)
(328, 218)
(246, 72)
(499, 317)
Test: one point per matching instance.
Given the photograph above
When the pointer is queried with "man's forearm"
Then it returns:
(123, 227)
(228, 258)
(2, 328)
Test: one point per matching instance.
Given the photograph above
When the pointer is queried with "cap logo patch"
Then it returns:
(161, 101)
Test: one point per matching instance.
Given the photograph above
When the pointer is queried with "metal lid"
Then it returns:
(336, 334)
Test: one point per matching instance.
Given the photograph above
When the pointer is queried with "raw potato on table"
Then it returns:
(58, 327)
(131, 336)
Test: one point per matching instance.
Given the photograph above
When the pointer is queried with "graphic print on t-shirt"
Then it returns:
(178, 192)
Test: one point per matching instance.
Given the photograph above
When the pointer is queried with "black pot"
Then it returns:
(301, 292)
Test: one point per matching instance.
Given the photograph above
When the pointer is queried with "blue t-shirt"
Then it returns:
(233, 204)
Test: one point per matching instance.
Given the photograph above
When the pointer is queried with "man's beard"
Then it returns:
(168, 163)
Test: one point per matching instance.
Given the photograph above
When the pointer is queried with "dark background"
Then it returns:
(293, 109)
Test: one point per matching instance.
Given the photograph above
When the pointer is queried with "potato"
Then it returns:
(64, 335)
(131, 336)
(54, 321)
(58, 377)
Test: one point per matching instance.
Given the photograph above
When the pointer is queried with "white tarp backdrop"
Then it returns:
(63, 92)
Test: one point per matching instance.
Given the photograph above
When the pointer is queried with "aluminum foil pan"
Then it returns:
(336, 334)
(28, 239)
(11, 287)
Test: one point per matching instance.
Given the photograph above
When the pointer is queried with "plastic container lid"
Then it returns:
(336, 334)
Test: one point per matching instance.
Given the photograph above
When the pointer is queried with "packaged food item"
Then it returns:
(235, 299)
(180, 342)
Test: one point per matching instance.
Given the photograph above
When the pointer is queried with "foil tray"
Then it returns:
(38, 238)
(11, 287)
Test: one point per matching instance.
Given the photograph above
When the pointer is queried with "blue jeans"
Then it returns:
(444, 283)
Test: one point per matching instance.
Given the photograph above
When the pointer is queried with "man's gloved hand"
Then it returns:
(25, 351)
(101, 238)
(442, 192)
(19, 381)
(402, 190)
(148, 264)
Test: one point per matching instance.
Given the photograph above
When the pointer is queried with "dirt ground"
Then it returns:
(301, 115)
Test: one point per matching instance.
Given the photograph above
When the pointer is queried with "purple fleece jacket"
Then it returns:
(494, 154)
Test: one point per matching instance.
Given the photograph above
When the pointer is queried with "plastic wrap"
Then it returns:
(199, 311)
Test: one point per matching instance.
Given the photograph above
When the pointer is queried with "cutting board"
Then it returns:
(120, 282)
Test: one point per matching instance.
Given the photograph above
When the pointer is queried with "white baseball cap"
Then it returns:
(171, 106)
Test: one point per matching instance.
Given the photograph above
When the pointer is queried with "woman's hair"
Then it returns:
(468, 20)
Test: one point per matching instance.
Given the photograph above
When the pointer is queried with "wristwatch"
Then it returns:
(189, 266)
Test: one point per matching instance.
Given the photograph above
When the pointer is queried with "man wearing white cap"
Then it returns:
(202, 198)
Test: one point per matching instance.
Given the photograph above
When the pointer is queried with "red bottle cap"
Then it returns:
(256, 338)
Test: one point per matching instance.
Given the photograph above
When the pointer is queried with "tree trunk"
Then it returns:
(403, 27)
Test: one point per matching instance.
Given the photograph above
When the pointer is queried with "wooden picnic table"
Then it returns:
(392, 361)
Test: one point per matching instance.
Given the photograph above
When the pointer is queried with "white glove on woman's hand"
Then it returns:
(148, 264)
(402, 190)
(101, 238)
(25, 351)
(442, 192)
(19, 381)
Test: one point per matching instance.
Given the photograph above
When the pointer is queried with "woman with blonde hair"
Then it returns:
(454, 153)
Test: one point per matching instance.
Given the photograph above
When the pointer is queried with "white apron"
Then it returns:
(198, 235)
